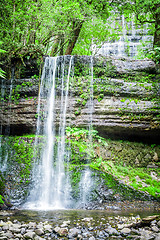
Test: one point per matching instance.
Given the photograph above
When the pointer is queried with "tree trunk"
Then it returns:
(55, 46)
(76, 31)
(61, 44)
(157, 30)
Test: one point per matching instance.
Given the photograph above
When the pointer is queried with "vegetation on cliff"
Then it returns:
(119, 163)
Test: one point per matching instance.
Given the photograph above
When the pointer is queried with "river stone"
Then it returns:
(111, 231)
(155, 228)
(86, 234)
(92, 238)
(38, 238)
(79, 237)
(158, 223)
(18, 235)
(87, 219)
(23, 230)
(153, 222)
(7, 234)
(39, 231)
(29, 235)
(65, 224)
(15, 230)
(32, 225)
(146, 235)
(4, 238)
(47, 228)
(5, 227)
(56, 229)
(73, 232)
(61, 231)
(120, 226)
(157, 237)
(125, 231)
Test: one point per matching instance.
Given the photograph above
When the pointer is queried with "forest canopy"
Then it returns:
(33, 28)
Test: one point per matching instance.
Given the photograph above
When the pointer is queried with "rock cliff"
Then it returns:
(126, 100)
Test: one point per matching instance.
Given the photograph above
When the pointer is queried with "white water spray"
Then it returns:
(49, 191)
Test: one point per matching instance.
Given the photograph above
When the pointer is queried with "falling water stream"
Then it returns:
(86, 180)
(51, 186)
(51, 178)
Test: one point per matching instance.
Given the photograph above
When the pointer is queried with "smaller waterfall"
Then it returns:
(86, 179)
(51, 183)
(4, 93)
(7, 129)
(132, 41)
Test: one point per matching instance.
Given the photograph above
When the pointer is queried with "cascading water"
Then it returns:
(86, 180)
(131, 42)
(4, 157)
(51, 180)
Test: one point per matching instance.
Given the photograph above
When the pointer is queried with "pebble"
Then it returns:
(157, 237)
(115, 228)
(125, 231)
(155, 228)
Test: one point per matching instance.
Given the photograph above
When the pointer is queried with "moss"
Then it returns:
(123, 160)
(114, 160)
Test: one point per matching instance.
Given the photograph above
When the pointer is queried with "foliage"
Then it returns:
(1, 200)
(145, 11)
(2, 73)
(31, 28)
(116, 158)
(155, 54)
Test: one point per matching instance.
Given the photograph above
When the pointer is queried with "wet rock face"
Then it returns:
(121, 108)
(84, 228)
(111, 116)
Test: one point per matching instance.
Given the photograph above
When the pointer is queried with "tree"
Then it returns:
(2, 73)
(30, 28)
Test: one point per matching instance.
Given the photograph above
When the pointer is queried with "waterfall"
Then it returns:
(50, 178)
(5, 91)
(133, 40)
(86, 179)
